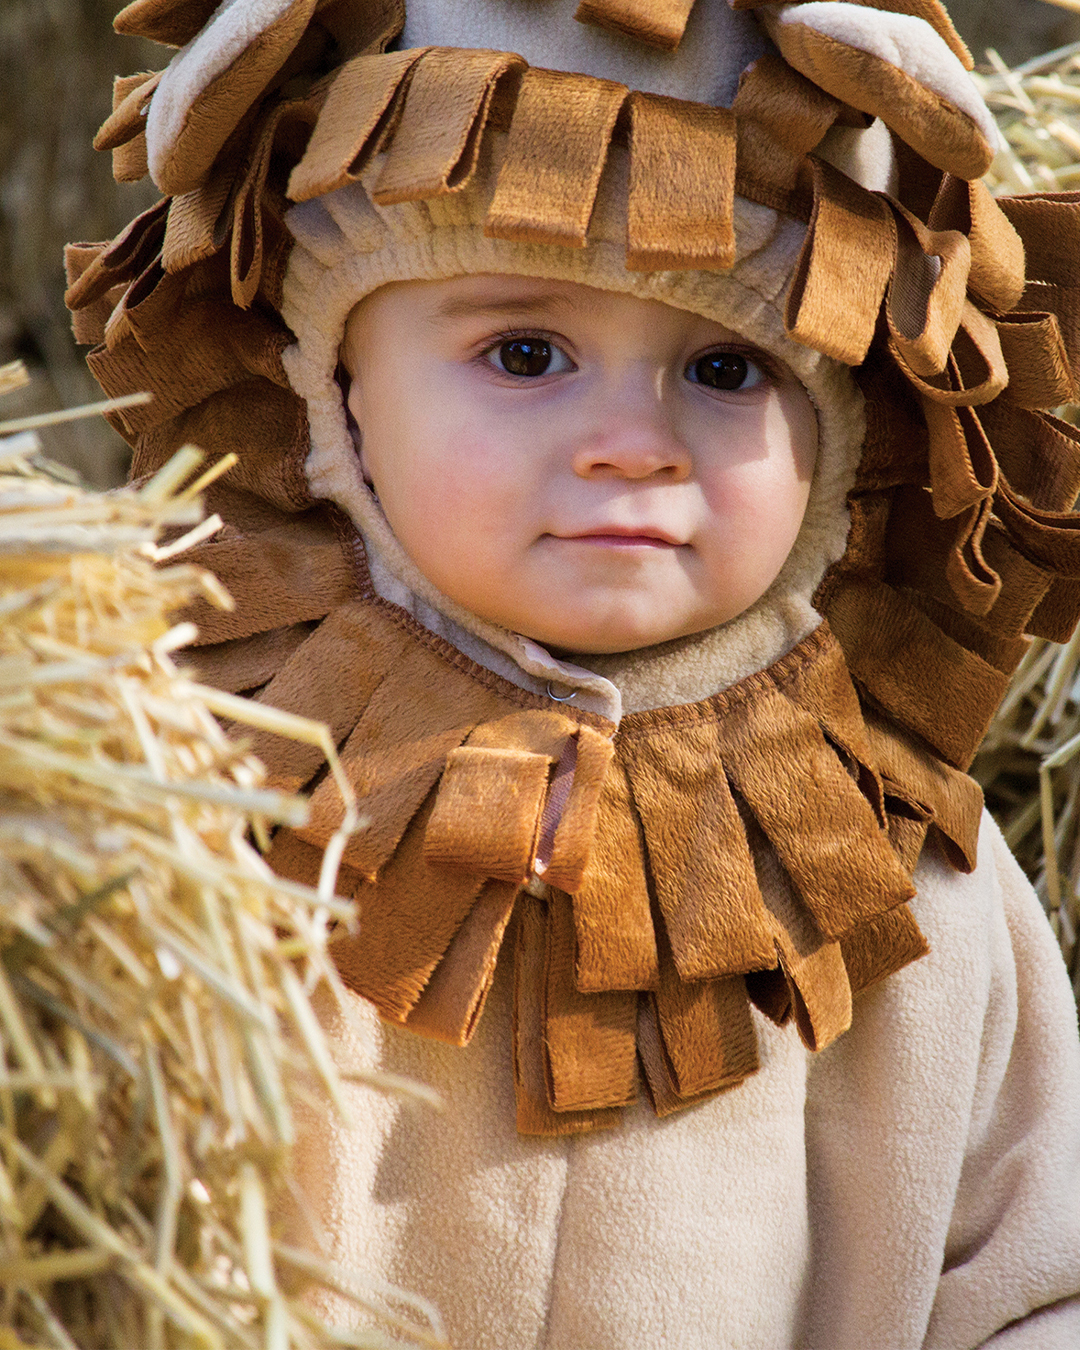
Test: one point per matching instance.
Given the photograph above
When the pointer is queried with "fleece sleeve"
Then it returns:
(1011, 1271)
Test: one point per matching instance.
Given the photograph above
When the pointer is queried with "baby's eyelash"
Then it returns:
(511, 334)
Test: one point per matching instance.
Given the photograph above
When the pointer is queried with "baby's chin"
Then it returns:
(578, 647)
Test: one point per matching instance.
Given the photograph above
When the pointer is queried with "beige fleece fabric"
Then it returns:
(913, 1187)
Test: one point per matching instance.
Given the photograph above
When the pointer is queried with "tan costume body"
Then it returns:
(879, 1193)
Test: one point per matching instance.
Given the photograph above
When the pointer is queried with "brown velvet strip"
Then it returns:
(1058, 612)
(249, 663)
(119, 262)
(157, 341)
(974, 372)
(817, 984)
(883, 945)
(407, 921)
(534, 1114)
(1023, 585)
(680, 212)
(896, 653)
(927, 294)
(575, 827)
(350, 125)
(930, 10)
(170, 22)
(131, 97)
(781, 116)
(843, 269)
(705, 1029)
(1039, 454)
(246, 253)
(588, 1039)
(963, 470)
(436, 143)
(953, 800)
(616, 946)
(288, 574)
(296, 860)
(1050, 539)
(310, 684)
(1049, 225)
(660, 23)
(997, 251)
(1064, 303)
(974, 582)
(395, 755)
(1039, 372)
(88, 322)
(266, 425)
(129, 161)
(453, 999)
(362, 28)
(823, 687)
(487, 812)
(555, 154)
(701, 867)
(541, 731)
(194, 231)
(820, 993)
(823, 829)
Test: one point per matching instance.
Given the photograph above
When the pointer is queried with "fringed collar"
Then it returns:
(756, 847)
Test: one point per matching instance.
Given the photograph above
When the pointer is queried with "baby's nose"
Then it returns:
(630, 434)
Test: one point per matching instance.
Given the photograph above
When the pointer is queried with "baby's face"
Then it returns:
(595, 471)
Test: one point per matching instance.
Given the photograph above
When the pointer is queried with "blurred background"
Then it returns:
(58, 59)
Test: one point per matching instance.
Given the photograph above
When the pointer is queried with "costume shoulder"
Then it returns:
(945, 1123)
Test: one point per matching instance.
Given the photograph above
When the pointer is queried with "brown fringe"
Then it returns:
(660, 23)
(779, 875)
(554, 157)
(170, 22)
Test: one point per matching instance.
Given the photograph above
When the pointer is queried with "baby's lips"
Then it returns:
(631, 533)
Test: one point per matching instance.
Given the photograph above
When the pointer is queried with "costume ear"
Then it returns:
(229, 64)
(893, 66)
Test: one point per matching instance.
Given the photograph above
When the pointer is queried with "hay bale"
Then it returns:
(155, 1023)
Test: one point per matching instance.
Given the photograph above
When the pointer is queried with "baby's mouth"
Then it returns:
(617, 536)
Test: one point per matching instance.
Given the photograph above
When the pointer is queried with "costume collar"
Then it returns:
(753, 847)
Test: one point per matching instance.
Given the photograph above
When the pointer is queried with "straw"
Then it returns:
(155, 978)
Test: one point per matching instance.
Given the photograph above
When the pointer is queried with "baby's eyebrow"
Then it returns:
(536, 306)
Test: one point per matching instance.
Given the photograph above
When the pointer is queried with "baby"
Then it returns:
(656, 642)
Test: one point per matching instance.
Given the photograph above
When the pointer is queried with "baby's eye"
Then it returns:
(529, 357)
(725, 370)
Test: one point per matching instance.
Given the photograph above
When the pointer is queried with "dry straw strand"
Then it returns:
(155, 977)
